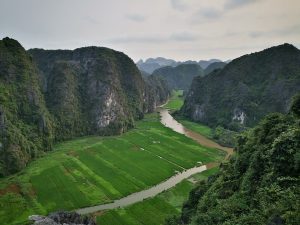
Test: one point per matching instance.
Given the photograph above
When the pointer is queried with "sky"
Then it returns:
(177, 29)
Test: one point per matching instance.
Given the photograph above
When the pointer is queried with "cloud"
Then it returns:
(232, 4)
(175, 37)
(91, 20)
(136, 17)
(178, 5)
(136, 39)
(292, 30)
(210, 13)
(183, 37)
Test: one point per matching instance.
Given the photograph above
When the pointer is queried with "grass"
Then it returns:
(175, 103)
(95, 170)
(196, 127)
(176, 100)
(155, 210)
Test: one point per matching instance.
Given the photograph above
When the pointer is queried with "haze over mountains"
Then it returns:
(49, 96)
(179, 77)
(151, 64)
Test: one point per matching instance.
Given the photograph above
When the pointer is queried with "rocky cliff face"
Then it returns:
(62, 218)
(48, 96)
(25, 123)
(98, 90)
(246, 89)
(157, 92)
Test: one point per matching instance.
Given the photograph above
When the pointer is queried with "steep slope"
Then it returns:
(49, 96)
(94, 90)
(157, 92)
(26, 126)
(179, 77)
(205, 63)
(214, 66)
(247, 89)
(152, 64)
(91, 90)
(260, 184)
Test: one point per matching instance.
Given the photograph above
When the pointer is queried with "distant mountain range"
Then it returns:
(151, 64)
(246, 89)
(179, 77)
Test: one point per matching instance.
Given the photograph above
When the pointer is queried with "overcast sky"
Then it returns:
(178, 29)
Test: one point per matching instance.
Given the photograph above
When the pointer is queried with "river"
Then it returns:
(168, 121)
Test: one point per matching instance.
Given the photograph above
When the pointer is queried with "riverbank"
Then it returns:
(168, 121)
(94, 170)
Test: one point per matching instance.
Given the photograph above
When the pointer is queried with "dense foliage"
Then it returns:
(179, 77)
(48, 96)
(214, 66)
(246, 89)
(260, 184)
(25, 123)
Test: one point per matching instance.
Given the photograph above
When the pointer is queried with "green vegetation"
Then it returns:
(56, 95)
(245, 90)
(176, 100)
(223, 136)
(196, 127)
(154, 210)
(260, 184)
(214, 66)
(179, 77)
(94, 170)
(26, 126)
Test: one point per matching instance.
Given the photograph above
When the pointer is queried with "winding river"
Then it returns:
(168, 121)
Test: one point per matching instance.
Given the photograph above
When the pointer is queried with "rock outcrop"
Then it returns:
(52, 95)
(246, 89)
(62, 218)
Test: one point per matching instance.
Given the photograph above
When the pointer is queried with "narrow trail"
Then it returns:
(168, 121)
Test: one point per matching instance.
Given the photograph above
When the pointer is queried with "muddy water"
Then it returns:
(140, 196)
(168, 121)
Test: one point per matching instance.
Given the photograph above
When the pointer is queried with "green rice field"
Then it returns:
(94, 170)
(176, 100)
(156, 210)
(196, 127)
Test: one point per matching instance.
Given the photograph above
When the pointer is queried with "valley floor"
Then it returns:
(155, 210)
(95, 170)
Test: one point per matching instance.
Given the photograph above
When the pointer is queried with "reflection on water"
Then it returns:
(168, 121)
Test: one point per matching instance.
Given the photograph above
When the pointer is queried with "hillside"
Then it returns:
(247, 89)
(179, 77)
(53, 95)
(152, 64)
(25, 123)
(96, 90)
(260, 184)
(205, 63)
(214, 66)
